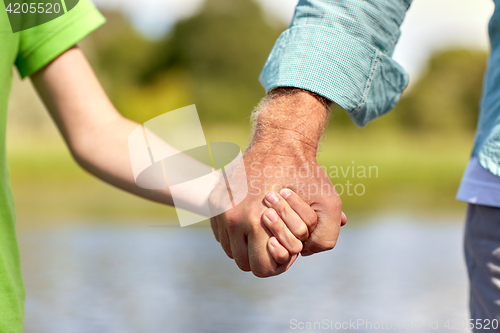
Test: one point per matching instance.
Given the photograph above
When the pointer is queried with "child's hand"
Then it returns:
(290, 219)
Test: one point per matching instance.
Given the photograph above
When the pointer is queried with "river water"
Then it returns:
(396, 271)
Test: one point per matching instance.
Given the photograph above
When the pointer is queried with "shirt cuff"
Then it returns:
(348, 71)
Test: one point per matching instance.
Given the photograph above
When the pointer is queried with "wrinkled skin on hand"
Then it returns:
(282, 155)
(241, 230)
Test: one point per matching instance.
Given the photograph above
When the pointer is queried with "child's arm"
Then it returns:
(93, 129)
(290, 219)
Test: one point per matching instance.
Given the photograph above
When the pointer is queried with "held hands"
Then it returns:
(265, 232)
(282, 155)
(288, 218)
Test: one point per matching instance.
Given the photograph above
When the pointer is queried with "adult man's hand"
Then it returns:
(282, 154)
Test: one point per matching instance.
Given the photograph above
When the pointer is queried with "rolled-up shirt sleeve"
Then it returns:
(342, 50)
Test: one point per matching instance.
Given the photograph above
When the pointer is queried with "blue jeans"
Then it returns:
(482, 255)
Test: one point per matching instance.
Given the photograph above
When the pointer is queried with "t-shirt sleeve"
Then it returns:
(40, 45)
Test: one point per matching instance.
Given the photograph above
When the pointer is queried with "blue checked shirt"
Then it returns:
(342, 50)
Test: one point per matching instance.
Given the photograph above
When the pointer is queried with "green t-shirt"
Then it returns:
(29, 50)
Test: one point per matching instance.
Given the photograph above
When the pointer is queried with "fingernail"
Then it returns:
(272, 198)
(274, 242)
(272, 216)
(285, 193)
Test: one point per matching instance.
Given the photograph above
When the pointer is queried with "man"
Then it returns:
(340, 52)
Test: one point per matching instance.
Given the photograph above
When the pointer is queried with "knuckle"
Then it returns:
(281, 208)
(302, 233)
(232, 225)
(263, 272)
(311, 218)
(229, 254)
(243, 265)
(321, 246)
(277, 228)
(227, 248)
(296, 247)
(282, 257)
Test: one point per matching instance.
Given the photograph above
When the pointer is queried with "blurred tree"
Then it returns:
(118, 53)
(120, 57)
(213, 60)
(447, 96)
(220, 52)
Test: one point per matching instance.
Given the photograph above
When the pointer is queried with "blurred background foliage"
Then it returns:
(447, 97)
(213, 60)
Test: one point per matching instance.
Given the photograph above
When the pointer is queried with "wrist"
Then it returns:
(291, 120)
(285, 143)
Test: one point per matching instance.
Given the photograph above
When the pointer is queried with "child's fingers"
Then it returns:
(280, 230)
(278, 252)
(293, 221)
(306, 213)
(343, 220)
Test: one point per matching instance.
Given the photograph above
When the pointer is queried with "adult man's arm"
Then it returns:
(282, 155)
(341, 51)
